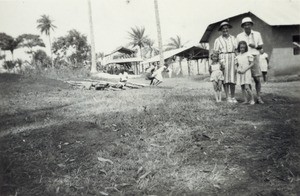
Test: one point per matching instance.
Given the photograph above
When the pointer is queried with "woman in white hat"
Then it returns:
(226, 45)
(255, 43)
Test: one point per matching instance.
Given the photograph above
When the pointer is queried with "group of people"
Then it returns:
(236, 60)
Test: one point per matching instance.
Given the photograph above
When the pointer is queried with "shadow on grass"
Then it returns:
(26, 117)
(188, 144)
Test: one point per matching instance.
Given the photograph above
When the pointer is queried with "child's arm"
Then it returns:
(251, 63)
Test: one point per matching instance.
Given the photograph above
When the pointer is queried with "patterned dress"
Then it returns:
(226, 48)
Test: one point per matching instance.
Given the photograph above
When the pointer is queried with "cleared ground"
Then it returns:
(167, 140)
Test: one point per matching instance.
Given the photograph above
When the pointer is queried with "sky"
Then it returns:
(113, 18)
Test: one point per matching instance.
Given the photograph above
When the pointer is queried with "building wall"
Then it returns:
(277, 43)
(283, 61)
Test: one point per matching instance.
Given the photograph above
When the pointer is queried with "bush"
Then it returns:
(10, 65)
(41, 59)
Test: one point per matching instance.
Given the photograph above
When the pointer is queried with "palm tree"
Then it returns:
(94, 65)
(159, 36)
(45, 24)
(138, 38)
(150, 48)
(176, 43)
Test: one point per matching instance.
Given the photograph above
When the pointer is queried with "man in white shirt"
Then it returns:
(255, 43)
(264, 64)
(123, 77)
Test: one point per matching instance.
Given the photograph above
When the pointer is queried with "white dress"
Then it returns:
(216, 73)
(244, 60)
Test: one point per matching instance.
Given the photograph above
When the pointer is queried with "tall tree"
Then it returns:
(138, 38)
(7, 42)
(94, 65)
(45, 25)
(72, 48)
(159, 36)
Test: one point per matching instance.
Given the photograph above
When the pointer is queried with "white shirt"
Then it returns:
(253, 38)
(263, 62)
(123, 77)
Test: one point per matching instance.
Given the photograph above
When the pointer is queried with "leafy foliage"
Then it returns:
(175, 43)
(7, 42)
(71, 49)
(41, 59)
(150, 50)
(45, 24)
(138, 37)
(9, 65)
(30, 41)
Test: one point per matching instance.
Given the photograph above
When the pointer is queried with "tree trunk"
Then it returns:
(161, 56)
(198, 67)
(50, 50)
(93, 67)
(12, 55)
(189, 67)
(180, 67)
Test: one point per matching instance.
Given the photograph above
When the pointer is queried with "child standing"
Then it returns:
(244, 62)
(216, 75)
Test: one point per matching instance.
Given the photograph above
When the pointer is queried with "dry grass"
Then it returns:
(167, 140)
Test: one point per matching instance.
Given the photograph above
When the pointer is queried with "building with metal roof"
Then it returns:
(280, 30)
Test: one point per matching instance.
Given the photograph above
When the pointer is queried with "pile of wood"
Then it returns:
(104, 85)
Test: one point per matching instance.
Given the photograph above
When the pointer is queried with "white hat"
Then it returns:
(223, 24)
(246, 19)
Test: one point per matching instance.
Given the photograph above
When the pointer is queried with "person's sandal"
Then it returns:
(260, 101)
(252, 102)
(233, 100)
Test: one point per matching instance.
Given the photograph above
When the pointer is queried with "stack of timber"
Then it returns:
(104, 85)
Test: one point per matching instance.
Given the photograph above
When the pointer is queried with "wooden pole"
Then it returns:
(94, 66)
(160, 45)
(198, 67)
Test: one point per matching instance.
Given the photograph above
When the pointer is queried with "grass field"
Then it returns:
(167, 140)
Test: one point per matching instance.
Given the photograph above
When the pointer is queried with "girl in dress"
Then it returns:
(216, 75)
(244, 62)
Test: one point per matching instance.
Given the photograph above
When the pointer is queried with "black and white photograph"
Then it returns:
(149, 98)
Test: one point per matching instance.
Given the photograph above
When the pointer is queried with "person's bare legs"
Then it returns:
(244, 94)
(215, 85)
(226, 88)
(250, 93)
(220, 90)
(232, 92)
(258, 88)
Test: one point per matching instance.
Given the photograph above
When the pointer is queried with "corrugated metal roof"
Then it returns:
(274, 16)
(122, 50)
(179, 52)
(125, 60)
